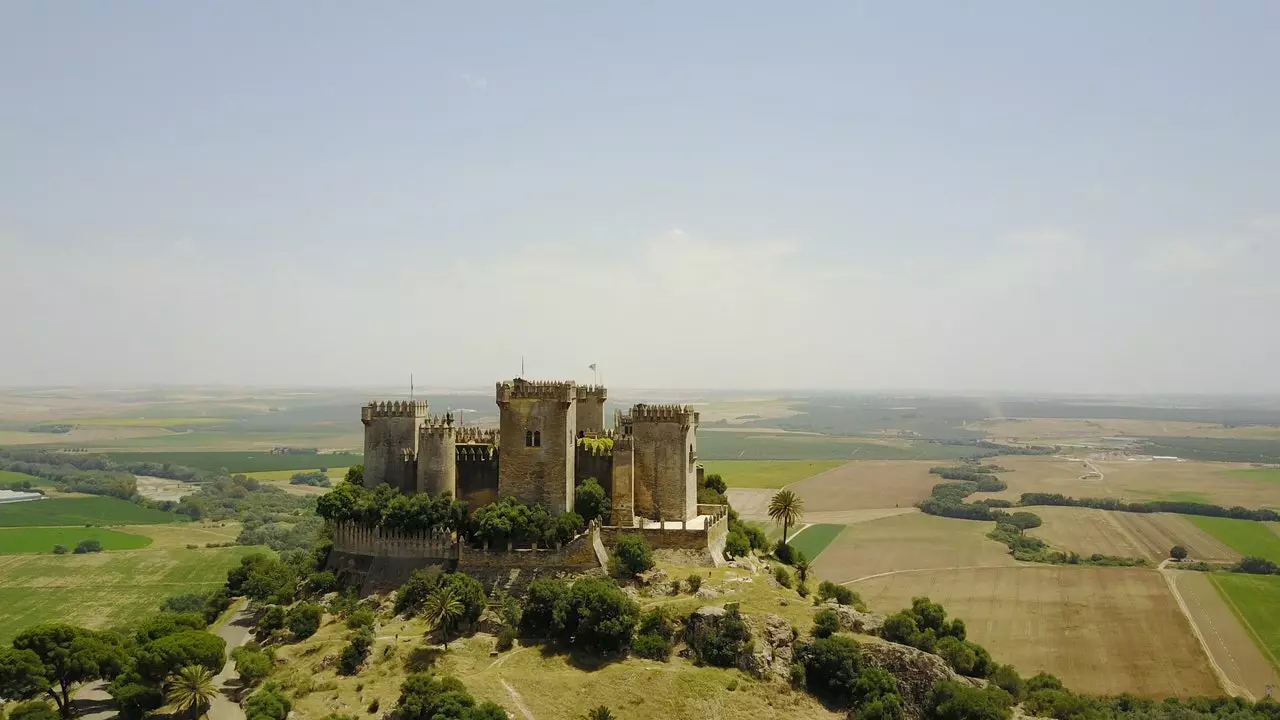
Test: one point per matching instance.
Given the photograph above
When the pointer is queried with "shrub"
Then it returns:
(631, 556)
(546, 607)
(1177, 552)
(736, 545)
(269, 703)
(720, 645)
(362, 617)
(272, 620)
(416, 590)
(354, 654)
(713, 481)
(59, 549)
(320, 583)
(373, 706)
(568, 526)
(783, 552)
(589, 500)
(506, 639)
(953, 700)
(876, 695)
(651, 647)
(600, 617)
(831, 667)
(1255, 566)
(781, 575)
(32, 710)
(1006, 678)
(88, 546)
(828, 590)
(676, 586)
(825, 623)
(304, 619)
(655, 635)
(695, 583)
(797, 675)
(253, 666)
(1022, 520)
(755, 537)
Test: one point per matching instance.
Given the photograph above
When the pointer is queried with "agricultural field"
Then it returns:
(1102, 630)
(180, 535)
(335, 474)
(868, 485)
(1144, 535)
(242, 462)
(1255, 600)
(767, 473)
(83, 436)
(104, 590)
(1244, 536)
(907, 543)
(1136, 480)
(93, 510)
(158, 422)
(1089, 430)
(9, 476)
(42, 539)
(809, 446)
(1231, 645)
(1269, 475)
(813, 539)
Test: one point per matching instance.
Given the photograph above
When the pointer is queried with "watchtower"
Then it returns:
(536, 436)
(590, 403)
(391, 443)
(437, 460)
(665, 456)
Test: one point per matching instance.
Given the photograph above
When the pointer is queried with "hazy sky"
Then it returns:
(1077, 196)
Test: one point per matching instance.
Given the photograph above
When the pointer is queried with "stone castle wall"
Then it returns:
(543, 474)
(665, 476)
(437, 461)
(391, 443)
(598, 464)
(701, 540)
(477, 468)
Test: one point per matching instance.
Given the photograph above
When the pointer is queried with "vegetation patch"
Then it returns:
(1270, 476)
(781, 446)
(45, 539)
(1255, 601)
(1244, 536)
(814, 539)
(10, 480)
(81, 511)
(242, 462)
(767, 473)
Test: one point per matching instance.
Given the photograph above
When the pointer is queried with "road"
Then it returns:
(94, 703)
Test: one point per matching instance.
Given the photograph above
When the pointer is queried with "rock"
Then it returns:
(650, 578)
(854, 621)
(631, 592)
(489, 623)
(706, 591)
(745, 563)
(915, 670)
(782, 601)
(772, 648)
(327, 663)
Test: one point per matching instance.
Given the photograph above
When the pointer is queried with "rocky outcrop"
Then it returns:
(916, 671)
(851, 619)
(772, 648)
(652, 578)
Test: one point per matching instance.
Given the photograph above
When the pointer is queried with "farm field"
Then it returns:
(1084, 429)
(807, 446)
(1255, 600)
(9, 476)
(1230, 643)
(1264, 475)
(868, 485)
(1244, 536)
(180, 535)
(335, 474)
(81, 436)
(42, 539)
(93, 510)
(1136, 480)
(241, 462)
(1102, 630)
(1146, 535)
(104, 590)
(814, 539)
(767, 473)
(909, 542)
(158, 422)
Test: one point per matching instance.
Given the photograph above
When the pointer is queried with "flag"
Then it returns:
(591, 367)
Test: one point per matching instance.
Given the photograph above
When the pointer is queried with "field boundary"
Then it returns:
(1253, 634)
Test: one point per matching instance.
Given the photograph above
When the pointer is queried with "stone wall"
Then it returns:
(359, 540)
(391, 443)
(575, 556)
(589, 401)
(593, 463)
(543, 474)
(437, 462)
(665, 474)
(477, 474)
(621, 497)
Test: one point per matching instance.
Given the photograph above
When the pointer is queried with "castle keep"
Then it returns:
(650, 474)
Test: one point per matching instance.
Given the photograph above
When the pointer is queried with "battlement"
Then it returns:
(393, 409)
(682, 414)
(624, 443)
(520, 388)
(473, 453)
(591, 392)
(479, 436)
(437, 425)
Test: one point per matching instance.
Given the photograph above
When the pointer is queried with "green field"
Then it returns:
(1244, 536)
(815, 538)
(1255, 600)
(767, 473)
(1266, 475)
(241, 462)
(42, 540)
(778, 446)
(9, 476)
(334, 473)
(104, 590)
(95, 510)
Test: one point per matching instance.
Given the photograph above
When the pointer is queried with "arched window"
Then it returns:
(537, 438)
(528, 438)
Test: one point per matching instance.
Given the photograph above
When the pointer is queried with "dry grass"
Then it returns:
(1230, 644)
(1087, 531)
(869, 484)
(93, 435)
(1102, 630)
(912, 541)
(1074, 429)
(179, 536)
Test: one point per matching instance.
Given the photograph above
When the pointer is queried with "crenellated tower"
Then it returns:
(537, 432)
(589, 400)
(391, 443)
(665, 461)
(437, 460)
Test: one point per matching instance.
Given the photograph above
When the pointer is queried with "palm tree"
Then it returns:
(787, 508)
(442, 609)
(191, 689)
(802, 566)
(600, 713)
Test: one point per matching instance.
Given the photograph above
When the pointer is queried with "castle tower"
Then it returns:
(391, 443)
(590, 402)
(665, 461)
(621, 497)
(536, 438)
(437, 457)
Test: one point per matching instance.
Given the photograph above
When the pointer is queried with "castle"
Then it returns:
(650, 473)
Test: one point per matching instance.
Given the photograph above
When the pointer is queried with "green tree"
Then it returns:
(952, 700)
(253, 666)
(355, 475)
(52, 658)
(589, 501)
(736, 545)
(831, 667)
(59, 549)
(443, 609)
(713, 481)
(1177, 552)
(786, 508)
(631, 555)
(304, 619)
(32, 710)
(802, 566)
(269, 703)
(599, 616)
(191, 690)
(825, 623)
(88, 546)
(546, 608)
(601, 712)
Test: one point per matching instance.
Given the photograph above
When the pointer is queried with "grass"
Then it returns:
(1175, 496)
(104, 590)
(1266, 475)
(9, 476)
(334, 473)
(767, 473)
(42, 540)
(242, 462)
(95, 510)
(1244, 536)
(160, 422)
(814, 539)
(781, 446)
(1255, 601)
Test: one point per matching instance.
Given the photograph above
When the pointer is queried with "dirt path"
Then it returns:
(515, 698)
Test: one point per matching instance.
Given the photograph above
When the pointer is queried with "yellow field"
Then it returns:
(767, 473)
(334, 474)
(81, 435)
(869, 484)
(1146, 535)
(177, 536)
(911, 541)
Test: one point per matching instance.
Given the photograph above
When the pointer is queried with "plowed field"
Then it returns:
(1149, 535)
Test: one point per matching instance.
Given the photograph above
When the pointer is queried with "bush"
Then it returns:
(600, 617)
(651, 647)
(354, 654)
(32, 710)
(953, 700)
(589, 500)
(655, 636)
(269, 703)
(303, 620)
(825, 623)
(828, 590)
(713, 481)
(783, 552)
(362, 617)
(273, 619)
(736, 545)
(88, 546)
(695, 583)
(781, 575)
(1006, 678)
(1177, 552)
(755, 537)
(1255, 566)
(876, 695)
(831, 667)
(253, 666)
(506, 639)
(59, 549)
(321, 583)
(720, 645)
(545, 609)
(631, 556)
(1022, 520)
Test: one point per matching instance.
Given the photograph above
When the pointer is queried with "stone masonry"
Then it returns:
(391, 443)
(665, 473)
(537, 433)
